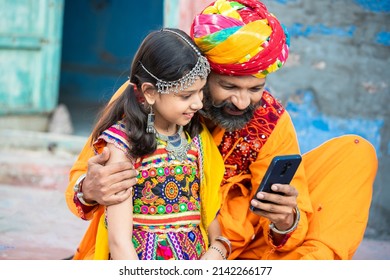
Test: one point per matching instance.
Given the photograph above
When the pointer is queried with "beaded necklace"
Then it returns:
(177, 146)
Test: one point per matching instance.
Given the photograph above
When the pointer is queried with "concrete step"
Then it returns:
(35, 224)
(36, 159)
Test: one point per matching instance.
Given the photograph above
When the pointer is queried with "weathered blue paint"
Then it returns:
(284, 2)
(314, 128)
(30, 51)
(388, 149)
(171, 12)
(383, 38)
(298, 29)
(374, 5)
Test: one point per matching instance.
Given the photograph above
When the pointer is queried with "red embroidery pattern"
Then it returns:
(81, 208)
(244, 145)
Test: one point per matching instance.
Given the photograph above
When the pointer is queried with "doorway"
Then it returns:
(99, 40)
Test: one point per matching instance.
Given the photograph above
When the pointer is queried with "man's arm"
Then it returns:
(283, 214)
(101, 183)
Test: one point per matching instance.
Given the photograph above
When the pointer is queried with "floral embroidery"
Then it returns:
(244, 145)
(166, 201)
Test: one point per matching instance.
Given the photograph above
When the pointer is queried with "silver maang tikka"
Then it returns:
(200, 70)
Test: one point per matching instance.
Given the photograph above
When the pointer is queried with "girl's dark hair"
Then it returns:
(169, 58)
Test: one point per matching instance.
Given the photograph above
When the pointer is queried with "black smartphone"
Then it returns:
(281, 171)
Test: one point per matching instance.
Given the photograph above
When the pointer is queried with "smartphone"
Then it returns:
(281, 171)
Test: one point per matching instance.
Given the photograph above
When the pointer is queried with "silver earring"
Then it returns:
(150, 123)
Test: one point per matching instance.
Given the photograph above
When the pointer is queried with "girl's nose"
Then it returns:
(197, 102)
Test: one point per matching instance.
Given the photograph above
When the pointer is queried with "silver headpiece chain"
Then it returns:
(201, 69)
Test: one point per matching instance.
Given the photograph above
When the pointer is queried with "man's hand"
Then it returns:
(110, 184)
(280, 210)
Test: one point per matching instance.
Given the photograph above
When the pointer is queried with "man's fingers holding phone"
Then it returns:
(286, 189)
(286, 195)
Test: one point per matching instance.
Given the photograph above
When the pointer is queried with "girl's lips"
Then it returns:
(189, 115)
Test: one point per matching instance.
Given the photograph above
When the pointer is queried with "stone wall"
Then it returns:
(336, 80)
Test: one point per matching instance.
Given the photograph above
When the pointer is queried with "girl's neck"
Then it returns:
(167, 130)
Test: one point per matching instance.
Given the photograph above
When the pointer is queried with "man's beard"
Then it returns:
(227, 121)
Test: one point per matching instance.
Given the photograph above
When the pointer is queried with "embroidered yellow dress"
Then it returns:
(166, 201)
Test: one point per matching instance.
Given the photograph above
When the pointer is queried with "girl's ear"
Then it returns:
(150, 92)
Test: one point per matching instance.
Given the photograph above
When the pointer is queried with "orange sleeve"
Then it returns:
(247, 231)
(80, 167)
(283, 141)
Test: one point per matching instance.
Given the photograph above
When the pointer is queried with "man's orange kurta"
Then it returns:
(334, 183)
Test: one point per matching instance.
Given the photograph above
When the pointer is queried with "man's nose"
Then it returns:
(241, 101)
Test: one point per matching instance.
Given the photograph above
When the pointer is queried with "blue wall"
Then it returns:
(336, 80)
(314, 128)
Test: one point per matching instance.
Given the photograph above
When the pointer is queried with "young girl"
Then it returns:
(155, 125)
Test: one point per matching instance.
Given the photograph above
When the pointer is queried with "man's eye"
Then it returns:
(256, 89)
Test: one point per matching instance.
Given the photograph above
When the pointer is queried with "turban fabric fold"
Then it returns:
(241, 38)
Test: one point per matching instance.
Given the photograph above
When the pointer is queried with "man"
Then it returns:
(322, 214)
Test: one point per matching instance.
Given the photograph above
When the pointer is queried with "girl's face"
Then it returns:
(177, 108)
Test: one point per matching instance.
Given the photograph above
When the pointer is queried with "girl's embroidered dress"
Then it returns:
(166, 201)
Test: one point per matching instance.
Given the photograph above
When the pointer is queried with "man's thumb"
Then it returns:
(104, 156)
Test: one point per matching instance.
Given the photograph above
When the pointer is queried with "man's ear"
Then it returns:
(150, 92)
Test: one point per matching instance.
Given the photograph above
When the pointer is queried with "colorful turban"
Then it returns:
(241, 38)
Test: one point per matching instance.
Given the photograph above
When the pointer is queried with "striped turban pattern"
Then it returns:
(241, 38)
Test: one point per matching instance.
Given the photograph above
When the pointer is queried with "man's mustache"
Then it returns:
(233, 107)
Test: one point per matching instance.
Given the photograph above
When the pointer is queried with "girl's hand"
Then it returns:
(216, 251)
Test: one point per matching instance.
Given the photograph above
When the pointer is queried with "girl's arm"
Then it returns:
(217, 249)
(120, 219)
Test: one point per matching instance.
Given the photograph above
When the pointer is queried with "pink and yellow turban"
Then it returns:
(240, 38)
